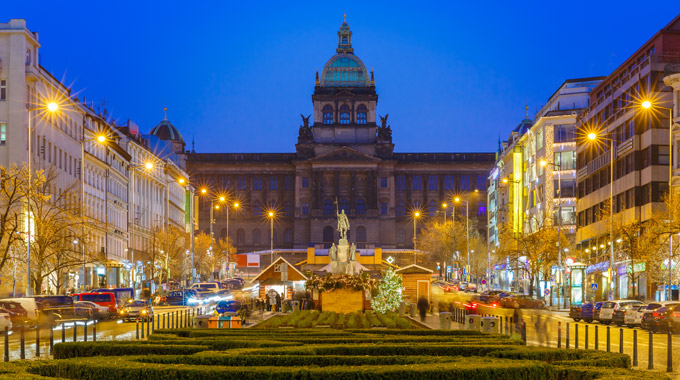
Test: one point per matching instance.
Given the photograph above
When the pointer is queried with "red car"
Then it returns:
(107, 299)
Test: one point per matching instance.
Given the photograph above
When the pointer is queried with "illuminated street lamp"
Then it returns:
(416, 215)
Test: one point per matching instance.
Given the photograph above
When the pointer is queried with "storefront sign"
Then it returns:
(599, 267)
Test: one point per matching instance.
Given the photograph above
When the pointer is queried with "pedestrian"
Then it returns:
(278, 302)
(422, 308)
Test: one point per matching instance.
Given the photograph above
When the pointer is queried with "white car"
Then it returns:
(5, 321)
(633, 316)
(607, 310)
(100, 312)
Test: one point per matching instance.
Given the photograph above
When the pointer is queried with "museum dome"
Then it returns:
(166, 131)
(344, 69)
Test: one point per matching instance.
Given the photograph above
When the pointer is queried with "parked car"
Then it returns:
(468, 287)
(99, 312)
(232, 284)
(490, 296)
(17, 313)
(575, 312)
(122, 295)
(106, 299)
(30, 306)
(54, 307)
(633, 316)
(83, 311)
(586, 312)
(5, 321)
(206, 287)
(607, 309)
(179, 297)
(521, 301)
(596, 311)
(653, 306)
(619, 315)
(659, 320)
(136, 309)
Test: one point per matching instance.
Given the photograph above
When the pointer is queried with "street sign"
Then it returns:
(448, 269)
(546, 292)
(593, 286)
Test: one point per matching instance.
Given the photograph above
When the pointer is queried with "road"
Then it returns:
(542, 330)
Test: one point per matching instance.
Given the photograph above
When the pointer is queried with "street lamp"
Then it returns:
(416, 215)
(592, 136)
(647, 104)
(559, 228)
(52, 107)
(467, 233)
(270, 215)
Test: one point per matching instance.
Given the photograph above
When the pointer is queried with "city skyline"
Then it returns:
(428, 67)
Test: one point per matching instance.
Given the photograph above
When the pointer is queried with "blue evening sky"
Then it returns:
(236, 75)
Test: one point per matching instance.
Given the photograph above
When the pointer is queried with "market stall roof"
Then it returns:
(273, 271)
(413, 268)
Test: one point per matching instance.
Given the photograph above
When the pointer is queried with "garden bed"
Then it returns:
(313, 318)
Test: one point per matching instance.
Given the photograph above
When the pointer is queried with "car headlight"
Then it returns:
(122, 312)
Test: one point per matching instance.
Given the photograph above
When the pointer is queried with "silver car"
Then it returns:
(608, 308)
(136, 309)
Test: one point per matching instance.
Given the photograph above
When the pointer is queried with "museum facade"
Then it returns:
(344, 160)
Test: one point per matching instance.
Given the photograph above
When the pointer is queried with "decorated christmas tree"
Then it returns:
(388, 296)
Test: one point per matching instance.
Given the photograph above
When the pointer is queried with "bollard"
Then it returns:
(524, 331)
(576, 336)
(597, 338)
(506, 325)
(567, 340)
(37, 341)
(650, 360)
(164, 319)
(6, 343)
(142, 330)
(148, 322)
(669, 351)
(635, 358)
(51, 337)
(559, 334)
(153, 326)
(75, 332)
(137, 327)
(63, 333)
(620, 341)
(500, 320)
(94, 332)
(85, 331)
(608, 340)
(22, 347)
(587, 336)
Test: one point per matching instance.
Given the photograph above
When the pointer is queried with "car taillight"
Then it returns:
(676, 315)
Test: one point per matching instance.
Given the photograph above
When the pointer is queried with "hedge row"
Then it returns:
(85, 349)
(210, 359)
(311, 318)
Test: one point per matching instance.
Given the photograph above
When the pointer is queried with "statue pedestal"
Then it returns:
(342, 300)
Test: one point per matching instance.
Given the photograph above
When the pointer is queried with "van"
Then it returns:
(106, 299)
(206, 287)
(121, 294)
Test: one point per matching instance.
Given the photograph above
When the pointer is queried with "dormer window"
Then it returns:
(344, 114)
(362, 113)
(327, 114)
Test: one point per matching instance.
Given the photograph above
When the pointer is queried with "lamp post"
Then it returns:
(51, 107)
(270, 215)
(612, 285)
(559, 230)
(416, 215)
(467, 233)
(648, 105)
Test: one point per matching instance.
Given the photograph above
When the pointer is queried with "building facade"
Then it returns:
(344, 160)
(640, 162)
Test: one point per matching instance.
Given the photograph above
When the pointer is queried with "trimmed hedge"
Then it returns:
(85, 349)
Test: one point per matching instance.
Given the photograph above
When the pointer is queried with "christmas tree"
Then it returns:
(388, 297)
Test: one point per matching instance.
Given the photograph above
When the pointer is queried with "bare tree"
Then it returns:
(13, 186)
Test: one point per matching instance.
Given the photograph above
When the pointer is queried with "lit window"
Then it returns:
(327, 114)
(257, 183)
(362, 114)
(344, 114)
(3, 133)
(273, 183)
(448, 182)
(401, 208)
(328, 206)
(432, 182)
(383, 208)
(416, 183)
(361, 206)
(465, 182)
(305, 208)
(3, 89)
(305, 182)
(344, 205)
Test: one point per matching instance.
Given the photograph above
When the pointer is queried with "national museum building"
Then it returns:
(342, 156)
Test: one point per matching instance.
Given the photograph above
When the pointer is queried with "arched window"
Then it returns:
(401, 208)
(401, 236)
(344, 205)
(362, 113)
(288, 236)
(361, 206)
(256, 237)
(327, 114)
(327, 206)
(432, 208)
(328, 237)
(361, 237)
(344, 114)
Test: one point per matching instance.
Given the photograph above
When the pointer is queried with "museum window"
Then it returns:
(448, 182)
(361, 114)
(288, 236)
(257, 210)
(273, 183)
(416, 183)
(481, 182)
(256, 237)
(401, 236)
(327, 114)
(432, 182)
(383, 182)
(3, 89)
(240, 236)
(401, 182)
(432, 208)
(465, 183)
(288, 209)
(344, 114)
(305, 208)
(288, 182)
(383, 208)
(361, 206)
(401, 208)
(257, 183)
(361, 237)
(328, 206)
(305, 182)
(328, 237)
(344, 205)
